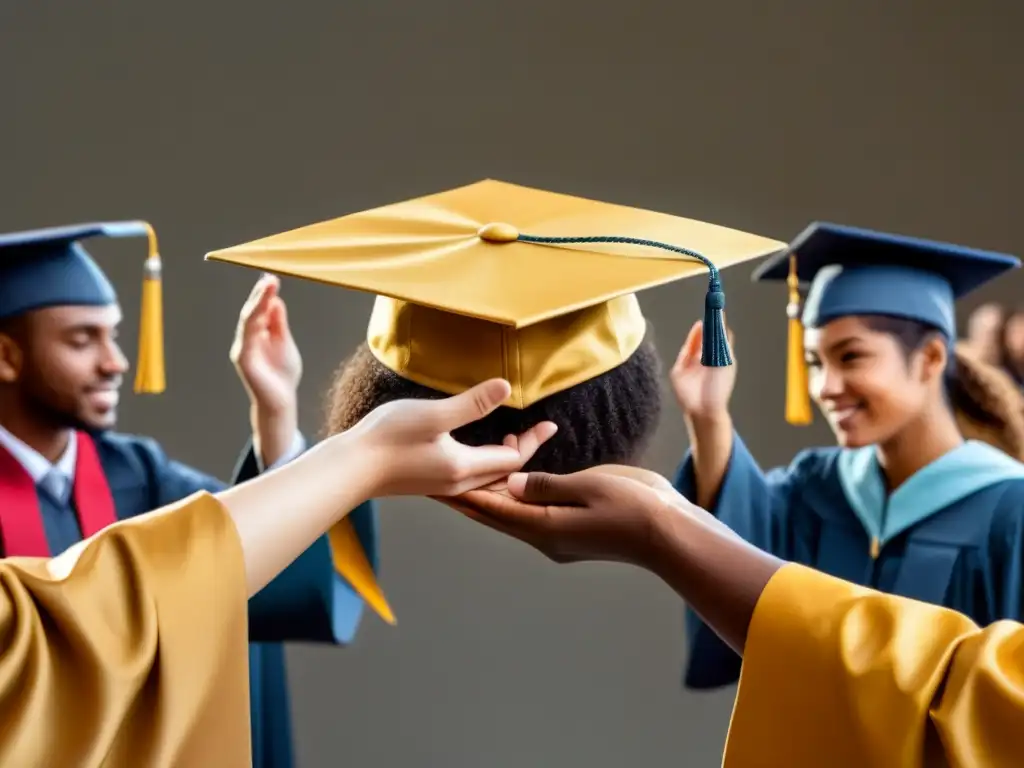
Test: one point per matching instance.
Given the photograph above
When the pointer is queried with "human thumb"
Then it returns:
(560, 490)
(473, 404)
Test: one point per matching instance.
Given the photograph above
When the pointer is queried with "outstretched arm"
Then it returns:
(831, 668)
(321, 596)
(832, 673)
(146, 619)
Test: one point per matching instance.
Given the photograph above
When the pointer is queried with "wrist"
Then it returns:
(669, 539)
(363, 457)
(710, 422)
(708, 417)
(347, 458)
(273, 410)
(273, 430)
(715, 572)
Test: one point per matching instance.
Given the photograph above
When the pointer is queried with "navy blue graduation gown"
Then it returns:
(951, 535)
(308, 601)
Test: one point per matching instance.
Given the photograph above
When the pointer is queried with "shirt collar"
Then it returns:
(35, 463)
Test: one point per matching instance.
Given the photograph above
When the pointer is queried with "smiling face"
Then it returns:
(66, 365)
(870, 384)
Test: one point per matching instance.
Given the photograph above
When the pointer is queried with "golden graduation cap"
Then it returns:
(49, 267)
(498, 280)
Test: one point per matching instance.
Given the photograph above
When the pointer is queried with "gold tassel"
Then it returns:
(150, 376)
(798, 400)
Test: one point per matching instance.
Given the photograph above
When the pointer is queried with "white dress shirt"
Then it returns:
(40, 468)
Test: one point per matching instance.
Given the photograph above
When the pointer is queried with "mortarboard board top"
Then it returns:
(824, 244)
(853, 271)
(500, 279)
(48, 267)
(63, 236)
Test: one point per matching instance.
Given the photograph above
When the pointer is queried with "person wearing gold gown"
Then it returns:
(130, 648)
(834, 674)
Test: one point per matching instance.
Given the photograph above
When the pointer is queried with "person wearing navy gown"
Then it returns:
(904, 504)
(65, 472)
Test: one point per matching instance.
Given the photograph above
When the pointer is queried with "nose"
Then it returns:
(826, 383)
(114, 362)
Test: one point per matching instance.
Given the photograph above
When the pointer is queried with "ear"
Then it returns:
(934, 356)
(11, 359)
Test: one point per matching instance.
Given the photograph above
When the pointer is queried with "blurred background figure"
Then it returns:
(1012, 347)
(998, 418)
(994, 346)
(993, 351)
(984, 328)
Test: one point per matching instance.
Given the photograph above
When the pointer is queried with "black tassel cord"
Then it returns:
(715, 351)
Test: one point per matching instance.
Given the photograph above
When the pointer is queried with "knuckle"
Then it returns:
(480, 403)
(540, 484)
(456, 472)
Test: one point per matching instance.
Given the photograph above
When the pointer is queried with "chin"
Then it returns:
(852, 441)
(98, 422)
(854, 438)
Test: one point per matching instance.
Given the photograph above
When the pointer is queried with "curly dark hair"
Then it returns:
(607, 420)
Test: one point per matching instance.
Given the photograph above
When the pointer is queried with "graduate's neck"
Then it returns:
(927, 438)
(47, 439)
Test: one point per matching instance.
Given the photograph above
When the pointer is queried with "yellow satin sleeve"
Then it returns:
(835, 675)
(131, 648)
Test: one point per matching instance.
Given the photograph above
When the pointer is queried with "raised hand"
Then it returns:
(263, 352)
(700, 391)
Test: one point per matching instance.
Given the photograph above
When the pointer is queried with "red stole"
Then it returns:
(21, 520)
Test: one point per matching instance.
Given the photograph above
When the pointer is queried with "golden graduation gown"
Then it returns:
(131, 648)
(836, 675)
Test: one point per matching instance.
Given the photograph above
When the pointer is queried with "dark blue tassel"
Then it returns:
(715, 350)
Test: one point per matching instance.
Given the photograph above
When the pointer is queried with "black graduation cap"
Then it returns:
(49, 267)
(855, 271)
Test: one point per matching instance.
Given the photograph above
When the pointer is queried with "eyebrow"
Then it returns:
(836, 346)
(88, 327)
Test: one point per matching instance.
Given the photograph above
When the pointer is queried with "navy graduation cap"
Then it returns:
(861, 272)
(49, 267)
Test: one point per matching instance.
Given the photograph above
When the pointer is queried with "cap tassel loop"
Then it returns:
(715, 352)
(150, 377)
(798, 399)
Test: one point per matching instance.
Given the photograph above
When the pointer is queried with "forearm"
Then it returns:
(273, 432)
(711, 439)
(312, 600)
(718, 574)
(281, 513)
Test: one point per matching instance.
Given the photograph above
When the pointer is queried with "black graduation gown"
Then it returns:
(952, 535)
